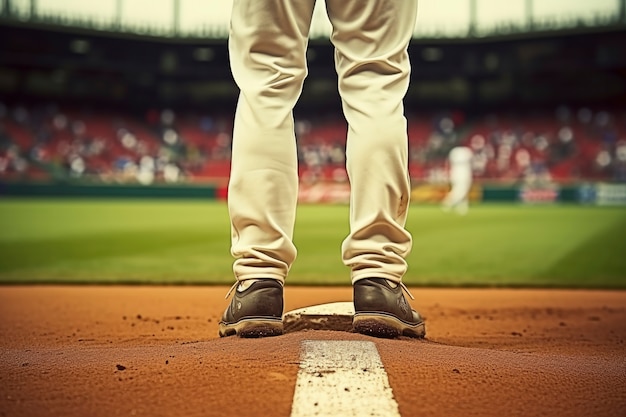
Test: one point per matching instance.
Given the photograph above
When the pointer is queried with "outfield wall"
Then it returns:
(586, 193)
(107, 190)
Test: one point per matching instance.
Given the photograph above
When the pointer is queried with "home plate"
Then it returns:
(331, 316)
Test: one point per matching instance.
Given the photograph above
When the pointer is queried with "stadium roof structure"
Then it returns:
(50, 57)
(213, 20)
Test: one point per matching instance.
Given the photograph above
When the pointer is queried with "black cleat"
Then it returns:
(255, 312)
(382, 311)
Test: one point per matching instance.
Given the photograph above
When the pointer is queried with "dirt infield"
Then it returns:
(154, 351)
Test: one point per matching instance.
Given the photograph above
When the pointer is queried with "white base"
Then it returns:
(330, 316)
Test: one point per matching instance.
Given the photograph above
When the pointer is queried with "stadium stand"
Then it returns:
(43, 143)
(102, 105)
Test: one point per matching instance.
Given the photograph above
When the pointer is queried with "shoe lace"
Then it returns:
(404, 287)
(230, 291)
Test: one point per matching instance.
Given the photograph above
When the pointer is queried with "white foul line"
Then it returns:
(342, 378)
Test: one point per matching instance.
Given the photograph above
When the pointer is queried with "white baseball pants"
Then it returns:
(267, 45)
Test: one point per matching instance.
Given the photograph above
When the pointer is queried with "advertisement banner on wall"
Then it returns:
(587, 194)
(546, 194)
(324, 192)
(435, 193)
(610, 194)
(600, 194)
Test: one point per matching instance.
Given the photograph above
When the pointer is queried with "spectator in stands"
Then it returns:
(564, 147)
(42, 142)
(620, 161)
(483, 153)
(268, 42)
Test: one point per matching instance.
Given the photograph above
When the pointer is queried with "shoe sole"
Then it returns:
(386, 326)
(252, 327)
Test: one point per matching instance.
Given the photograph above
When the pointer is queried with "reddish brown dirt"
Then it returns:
(154, 351)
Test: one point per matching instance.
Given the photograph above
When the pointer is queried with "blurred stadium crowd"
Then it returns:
(107, 104)
(51, 142)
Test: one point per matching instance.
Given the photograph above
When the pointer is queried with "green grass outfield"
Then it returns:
(185, 241)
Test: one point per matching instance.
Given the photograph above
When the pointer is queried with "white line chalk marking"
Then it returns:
(342, 378)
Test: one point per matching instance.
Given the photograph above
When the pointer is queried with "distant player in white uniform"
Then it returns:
(460, 159)
(267, 51)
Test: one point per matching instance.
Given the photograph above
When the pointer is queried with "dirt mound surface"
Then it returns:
(154, 351)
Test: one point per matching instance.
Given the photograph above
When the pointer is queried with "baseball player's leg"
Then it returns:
(372, 63)
(267, 47)
(452, 197)
(458, 197)
(463, 207)
(464, 186)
